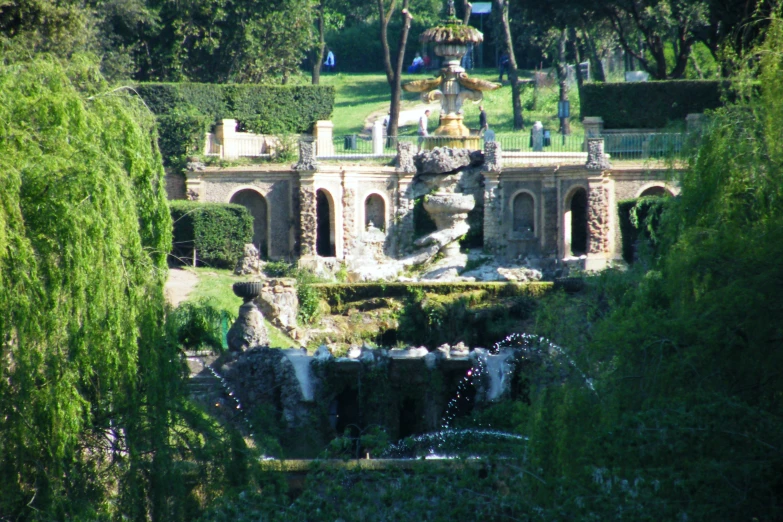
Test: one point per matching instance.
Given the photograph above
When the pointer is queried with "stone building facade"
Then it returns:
(340, 211)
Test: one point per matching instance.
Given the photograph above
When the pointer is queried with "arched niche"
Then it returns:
(655, 190)
(325, 224)
(375, 211)
(524, 214)
(256, 204)
(575, 223)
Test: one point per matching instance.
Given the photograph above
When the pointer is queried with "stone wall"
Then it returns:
(175, 185)
(598, 232)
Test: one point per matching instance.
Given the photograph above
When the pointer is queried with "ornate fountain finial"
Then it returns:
(450, 10)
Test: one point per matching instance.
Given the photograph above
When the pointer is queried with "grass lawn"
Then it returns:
(359, 95)
(214, 285)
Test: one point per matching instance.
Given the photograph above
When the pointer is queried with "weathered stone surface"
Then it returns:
(349, 225)
(307, 219)
(443, 159)
(279, 303)
(248, 330)
(404, 161)
(251, 263)
(596, 159)
(307, 161)
(598, 220)
(493, 157)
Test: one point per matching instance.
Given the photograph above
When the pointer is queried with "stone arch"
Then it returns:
(375, 211)
(523, 213)
(654, 189)
(575, 222)
(325, 228)
(256, 204)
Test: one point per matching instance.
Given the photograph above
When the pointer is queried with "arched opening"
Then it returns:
(575, 223)
(256, 205)
(375, 212)
(524, 222)
(324, 233)
(655, 191)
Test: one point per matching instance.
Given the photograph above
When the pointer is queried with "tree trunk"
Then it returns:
(562, 77)
(468, 7)
(501, 6)
(318, 52)
(394, 70)
(577, 57)
(596, 65)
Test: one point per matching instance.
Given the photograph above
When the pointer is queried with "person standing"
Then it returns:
(503, 66)
(423, 123)
(482, 120)
(329, 63)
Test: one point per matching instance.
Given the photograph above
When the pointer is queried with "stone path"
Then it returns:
(179, 285)
(409, 116)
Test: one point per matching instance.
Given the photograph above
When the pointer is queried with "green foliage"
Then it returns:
(640, 222)
(217, 231)
(186, 111)
(200, 325)
(650, 105)
(85, 230)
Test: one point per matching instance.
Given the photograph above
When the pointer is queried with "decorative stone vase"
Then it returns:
(248, 290)
(449, 211)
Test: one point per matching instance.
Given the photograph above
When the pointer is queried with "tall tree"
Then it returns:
(501, 10)
(393, 65)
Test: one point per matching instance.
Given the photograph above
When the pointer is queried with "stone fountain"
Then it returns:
(452, 86)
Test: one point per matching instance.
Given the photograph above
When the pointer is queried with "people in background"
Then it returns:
(503, 65)
(417, 65)
(329, 63)
(483, 126)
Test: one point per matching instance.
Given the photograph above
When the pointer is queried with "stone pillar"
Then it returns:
(594, 126)
(493, 213)
(404, 160)
(493, 157)
(323, 138)
(694, 123)
(308, 215)
(596, 159)
(403, 214)
(550, 221)
(225, 132)
(377, 138)
(538, 136)
(249, 330)
(599, 230)
(349, 217)
(307, 161)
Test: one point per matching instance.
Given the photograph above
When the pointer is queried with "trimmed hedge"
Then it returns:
(649, 105)
(337, 294)
(639, 221)
(218, 232)
(186, 111)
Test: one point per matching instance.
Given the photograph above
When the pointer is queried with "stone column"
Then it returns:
(225, 132)
(377, 138)
(538, 136)
(493, 157)
(550, 222)
(493, 213)
(307, 214)
(307, 161)
(324, 145)
(349, 216)
(599, 229)
(694, 123)
(596, 159)
(594, 126)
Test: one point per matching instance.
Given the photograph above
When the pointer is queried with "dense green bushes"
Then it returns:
(649, 105)
(186, 111)
(217, 232)
(639, 222)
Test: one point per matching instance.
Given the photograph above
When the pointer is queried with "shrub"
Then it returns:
(639, 221)
(217, 231)
(185, 111)
(200, 325)
(649, 105)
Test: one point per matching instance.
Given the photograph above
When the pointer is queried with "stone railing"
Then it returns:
(227, 143)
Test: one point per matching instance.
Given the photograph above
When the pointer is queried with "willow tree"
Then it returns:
(84, 231)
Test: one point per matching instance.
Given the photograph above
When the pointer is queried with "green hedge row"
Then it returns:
(640, 220)
(186, 111)
(337, 294)
(650, 105)
(217, 231)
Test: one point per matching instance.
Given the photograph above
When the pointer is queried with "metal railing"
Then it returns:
(642, 146)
